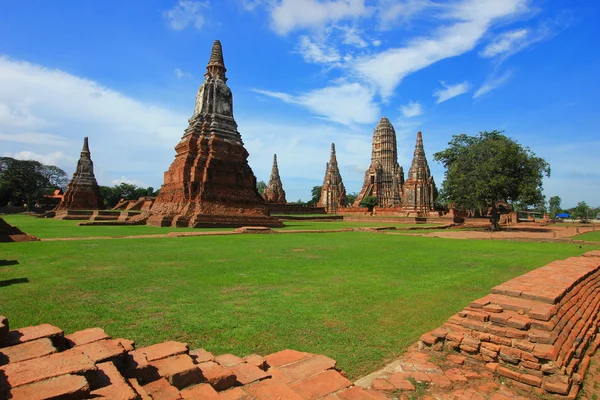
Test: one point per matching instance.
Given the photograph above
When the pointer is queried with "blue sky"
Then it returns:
(304, 73)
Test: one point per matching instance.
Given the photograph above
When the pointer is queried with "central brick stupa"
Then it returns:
(210, 182)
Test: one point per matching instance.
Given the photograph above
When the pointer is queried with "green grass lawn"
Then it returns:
(590, 236)
(360, 298)
(53, 228)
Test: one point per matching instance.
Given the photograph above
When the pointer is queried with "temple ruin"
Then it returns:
(333, 192)
(384, 178)
(210, 182)
(82, 192)
(419, 191)
(274, 192)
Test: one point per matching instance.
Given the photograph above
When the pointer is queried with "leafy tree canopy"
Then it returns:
(369, 201)
(489, 168)
(554, 205)
(351, 197)
(261, 186)
(127, 191)
(316, 195)
(25, 181)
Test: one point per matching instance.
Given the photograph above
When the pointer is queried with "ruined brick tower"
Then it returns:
(333, 192)
(384, 178)
(82, 192)
(419, 189)
(274, 192)
(210, 182)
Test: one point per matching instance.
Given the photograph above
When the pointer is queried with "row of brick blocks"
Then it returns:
(539, 329)
(40, 362)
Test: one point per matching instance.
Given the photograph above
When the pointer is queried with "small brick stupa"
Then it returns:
(274, 192)
(385, 177)
(82, 192)
(419, 189)
(210, 182)
(333, 192)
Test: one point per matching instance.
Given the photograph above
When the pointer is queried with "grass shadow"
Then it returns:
(15, 281)
(4, 263)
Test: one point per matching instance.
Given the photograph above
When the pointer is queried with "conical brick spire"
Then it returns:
(419, 189)
(210, 182)
(82, 192)
(216, 64)
(383, 179)
(333, 192)
(274, 192)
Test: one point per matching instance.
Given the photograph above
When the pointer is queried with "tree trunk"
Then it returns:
(494, 225)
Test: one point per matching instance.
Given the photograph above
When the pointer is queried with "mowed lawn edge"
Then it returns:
(359, 298)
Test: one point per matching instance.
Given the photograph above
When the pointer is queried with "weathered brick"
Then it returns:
(269, 389)
(508, 373)
(545, 352)
(307, 367)
(521, 323)
(530, 365)
(382, 385)
(103, 350)
(64, 386)
(493, 308)
(510, 355)
(86, 336)
(455, 375)
(108, 383)
(228, 360)
(429, 339)
(286, 357)
(201, 355)
(202, 391)
(257, 361)
(531, 380)
(355, 393)
(454, 336)
(26, 351)
(456, 359)
(50, 366)
(235, 393)
(161, 390)
(220, 378)
(30, 333)
(160, 350)
(558, 385)
(320, 385)
(248, 373)
(180, 371)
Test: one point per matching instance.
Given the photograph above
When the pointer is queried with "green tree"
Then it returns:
(351, 198)
(369, 201)
(484, 170)
(554, 205)
(582, 210)
(25, 181)
(261, 186)
(316, 195)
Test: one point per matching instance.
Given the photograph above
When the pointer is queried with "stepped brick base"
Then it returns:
(40, 362)
(539, 329)
(10, 233)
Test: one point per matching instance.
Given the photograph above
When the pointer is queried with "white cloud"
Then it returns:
(493, 83)
(185, 13)
(125, 134)
(412, 109)
(353, 36)
(33, 138)
(450, 91)
(124, 179)
(54, 158)
(376, 43)
(505, 43)
(391, 12)
(472, 19)
(289, 15)
(316, 52)
(182, 74)
(345, 103)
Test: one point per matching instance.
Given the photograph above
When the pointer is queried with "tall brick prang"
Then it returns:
(333, 192)
(274, 192)
(210, 182)
(82, 192)
(419, 189)
(385, 177)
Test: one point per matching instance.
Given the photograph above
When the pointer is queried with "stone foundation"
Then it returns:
(537, 330)
(10, 233)
(41, 362)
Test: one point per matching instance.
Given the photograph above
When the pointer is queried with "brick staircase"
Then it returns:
(40, 362)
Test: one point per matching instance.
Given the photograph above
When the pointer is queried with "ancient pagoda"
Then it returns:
(384, 178)
(210, 182)
(82, 192)
(333, 192)
(419, 189)
(274, 192)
